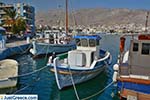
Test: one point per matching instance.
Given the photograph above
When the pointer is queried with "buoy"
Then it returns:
(116, 67)
(28, 39)
(115, 76)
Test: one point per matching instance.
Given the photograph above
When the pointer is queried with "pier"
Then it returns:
(13, 48)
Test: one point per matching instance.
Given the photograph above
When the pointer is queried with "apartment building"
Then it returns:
(25, 10)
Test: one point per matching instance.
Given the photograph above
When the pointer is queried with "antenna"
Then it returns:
(66, 16)
(146, 23)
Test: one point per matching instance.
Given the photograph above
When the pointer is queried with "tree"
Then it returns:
(16, 22)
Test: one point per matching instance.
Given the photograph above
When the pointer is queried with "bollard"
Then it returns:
(3, 43)
(28, 39)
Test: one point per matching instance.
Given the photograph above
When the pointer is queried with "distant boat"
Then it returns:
(8, 68)
(82, 64)
(132, 72)
(54, 41)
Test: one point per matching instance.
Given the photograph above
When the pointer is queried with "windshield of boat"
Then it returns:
(78, 42)
(87, 42)
(92, 42)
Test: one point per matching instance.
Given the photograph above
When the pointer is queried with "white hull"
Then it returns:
(63, 75)
(79, 77)
(45, 48)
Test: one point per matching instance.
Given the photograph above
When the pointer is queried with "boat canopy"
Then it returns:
(96, 37)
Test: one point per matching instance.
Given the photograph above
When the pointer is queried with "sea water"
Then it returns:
(43, 82)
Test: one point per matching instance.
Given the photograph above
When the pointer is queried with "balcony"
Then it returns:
(2, 12)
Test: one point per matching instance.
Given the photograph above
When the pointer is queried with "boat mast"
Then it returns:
(67, 16)
(146, 24)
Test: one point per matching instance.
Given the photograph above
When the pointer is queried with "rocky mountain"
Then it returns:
(97, 16)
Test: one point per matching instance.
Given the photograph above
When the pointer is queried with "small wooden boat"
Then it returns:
(80, 65)
(8, 68)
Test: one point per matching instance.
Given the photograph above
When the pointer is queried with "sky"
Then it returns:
(45, 5)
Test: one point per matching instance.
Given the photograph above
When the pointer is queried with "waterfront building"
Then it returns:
(3, 13)
(24, 10)
(28, 13)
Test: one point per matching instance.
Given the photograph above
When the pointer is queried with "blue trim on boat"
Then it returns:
(134, 86)
(88, 37)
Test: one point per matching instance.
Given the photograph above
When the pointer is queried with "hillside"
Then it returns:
(97, 16)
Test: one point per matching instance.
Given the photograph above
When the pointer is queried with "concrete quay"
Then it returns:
(17, 47)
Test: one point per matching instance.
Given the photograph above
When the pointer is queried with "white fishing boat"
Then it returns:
(8, 68)
(54, 41)
(82, 64)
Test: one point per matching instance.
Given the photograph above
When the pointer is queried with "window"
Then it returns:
(84, 42)
(135, 46)
(145, 48)
(78, 42)
(92, 42)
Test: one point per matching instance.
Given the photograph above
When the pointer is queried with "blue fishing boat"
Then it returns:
(81, 64)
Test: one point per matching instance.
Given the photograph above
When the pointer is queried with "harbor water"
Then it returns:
(43, 82)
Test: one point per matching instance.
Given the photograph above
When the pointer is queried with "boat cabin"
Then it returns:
(139, 55)
(53, 36)
(87, 50)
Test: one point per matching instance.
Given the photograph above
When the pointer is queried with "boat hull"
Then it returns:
(64, 76)
(44, 48)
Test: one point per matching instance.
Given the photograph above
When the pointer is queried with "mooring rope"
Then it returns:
(98, 92)
(29, 73)
(33, 81)
(76, 93)
(23, 51)
(74, 87)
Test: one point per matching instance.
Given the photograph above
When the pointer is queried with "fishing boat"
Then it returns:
(132, 72)
(81, 64)
(54, 41)
(8, 68)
